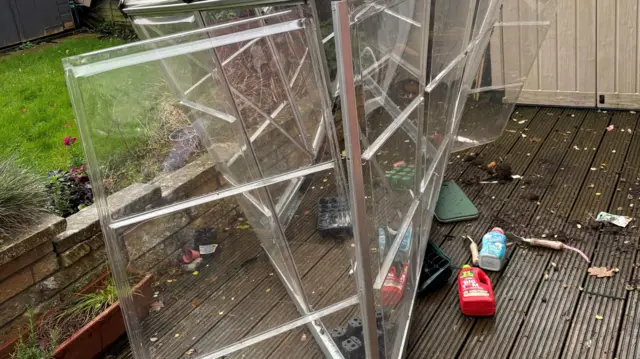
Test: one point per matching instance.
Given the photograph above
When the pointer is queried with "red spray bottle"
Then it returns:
(475, 293)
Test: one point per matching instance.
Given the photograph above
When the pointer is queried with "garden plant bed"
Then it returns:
(81, 339)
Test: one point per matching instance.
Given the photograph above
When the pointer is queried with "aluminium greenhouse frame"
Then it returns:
(360, 94)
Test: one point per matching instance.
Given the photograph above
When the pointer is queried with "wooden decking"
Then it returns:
(547, 304)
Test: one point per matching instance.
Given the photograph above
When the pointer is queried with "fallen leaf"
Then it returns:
(156, 306)
(190, 351)
(324, 180)
(154, 339)
(491, 164)
(576, 148)
(535, 139)
(196, 303)
(220, 313)
(268, 290)
(303, 338)
(598, 193)
(601, 272)
(610, 127)
(599, 317)
(521, 122)
(565, 285)
(196, 273)
(176, 335)
(629, 287)
(546, 276)
(243, 226)
(523, 135)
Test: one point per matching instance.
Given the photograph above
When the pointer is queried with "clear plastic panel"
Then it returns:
(409, 60)
(507, 39)
(216, 247)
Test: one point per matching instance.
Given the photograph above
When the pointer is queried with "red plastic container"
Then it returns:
(475, 293)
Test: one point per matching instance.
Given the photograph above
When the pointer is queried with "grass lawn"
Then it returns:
(35, 110)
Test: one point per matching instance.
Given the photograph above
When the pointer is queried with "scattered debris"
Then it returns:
(521, 122)
(532, 197)
(268, 290)
(535, 139)
(579, 226)
(491, 165)
(611, 128)
(576, 148)
(303, 338)
(523, 135)
(153, 339)
(156, 306)
(546, 276)
(602, 272)
(599, 317)
(620, 221)
(630, 287)
(176, 335)
(470, 156)
(190, 351)
(629, 130)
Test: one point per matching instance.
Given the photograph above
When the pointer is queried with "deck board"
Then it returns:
(546, 302)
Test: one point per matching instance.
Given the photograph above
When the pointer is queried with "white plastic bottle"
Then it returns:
(493, 253)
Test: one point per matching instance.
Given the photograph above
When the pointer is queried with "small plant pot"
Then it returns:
(185, 140)
(96, 336)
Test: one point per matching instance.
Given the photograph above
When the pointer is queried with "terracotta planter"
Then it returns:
(96, 336)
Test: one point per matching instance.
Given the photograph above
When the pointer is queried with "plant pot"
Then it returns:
(97, 335)
(185, 140)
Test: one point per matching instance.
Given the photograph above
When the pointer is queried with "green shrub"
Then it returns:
(31, 349)
(22, 197)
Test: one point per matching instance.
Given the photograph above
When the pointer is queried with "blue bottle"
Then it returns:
(493, 253)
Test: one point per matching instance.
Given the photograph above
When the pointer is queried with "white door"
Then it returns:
(618, 59)
(590, 57)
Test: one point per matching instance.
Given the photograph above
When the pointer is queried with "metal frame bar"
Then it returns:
(182, 49)
(204, 5)
(341, 25)
(309, 318)
(220, 194)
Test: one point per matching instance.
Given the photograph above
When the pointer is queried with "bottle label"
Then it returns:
(207, 248)
(493, 244)
(406, 241)
(470, 288)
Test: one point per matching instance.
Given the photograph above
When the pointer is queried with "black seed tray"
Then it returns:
(436, 270)
(334, 219)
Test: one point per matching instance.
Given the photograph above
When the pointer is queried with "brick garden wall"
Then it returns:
(61, 255)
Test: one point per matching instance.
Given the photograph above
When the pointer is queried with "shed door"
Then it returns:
(618, 64)
(590, 57)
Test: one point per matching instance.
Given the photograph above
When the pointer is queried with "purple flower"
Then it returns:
(68, 141)
(73, 170)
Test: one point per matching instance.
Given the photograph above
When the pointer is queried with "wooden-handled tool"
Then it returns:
(547, 244)
(474, 251)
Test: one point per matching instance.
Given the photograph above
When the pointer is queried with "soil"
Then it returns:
(532, 197)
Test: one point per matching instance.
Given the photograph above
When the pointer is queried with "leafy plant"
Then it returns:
(27, 45)
(89, 305)
(69, 191)
(31, 349)
(22, 197)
